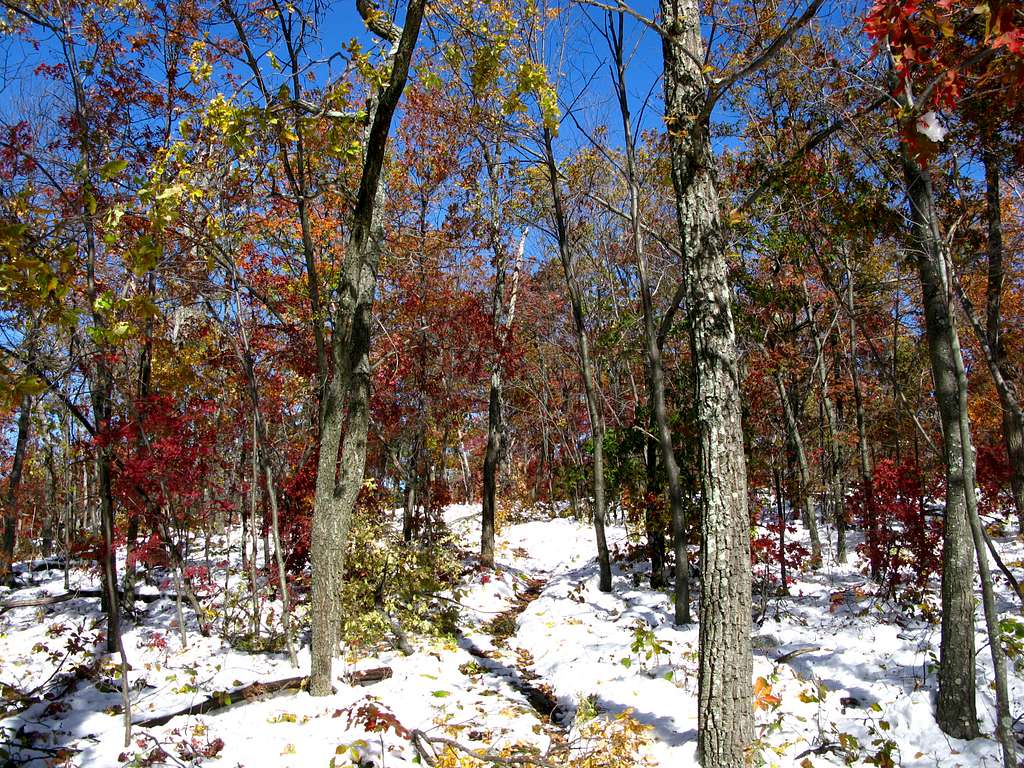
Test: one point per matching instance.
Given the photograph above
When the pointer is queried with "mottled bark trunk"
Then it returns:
(339, 476)
(490, 473)
(956, 711)
(725, 712)
(503, 316)
(929, 244)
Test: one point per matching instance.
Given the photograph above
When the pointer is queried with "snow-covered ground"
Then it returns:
(859, 688)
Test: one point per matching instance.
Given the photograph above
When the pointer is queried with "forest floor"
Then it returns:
(846, 677)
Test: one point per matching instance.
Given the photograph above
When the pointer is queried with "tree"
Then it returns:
(339, 475)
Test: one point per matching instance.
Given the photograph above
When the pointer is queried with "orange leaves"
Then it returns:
(763, 696)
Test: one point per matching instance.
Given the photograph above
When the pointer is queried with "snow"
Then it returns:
(863, 679)
(930, 126)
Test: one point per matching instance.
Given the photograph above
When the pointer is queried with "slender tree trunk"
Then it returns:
(653, 526)
(586, 367)
(807, 500)
(956, 712)
(780, 508)
(261, 450)
(503, 318)
(52, 514)
(834, 460)
(253, 580)
(652, 347)
(1013, 425)
(725, 725)
(863, 452)
(339, 476)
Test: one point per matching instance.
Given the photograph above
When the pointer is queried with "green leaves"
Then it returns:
(111, 169)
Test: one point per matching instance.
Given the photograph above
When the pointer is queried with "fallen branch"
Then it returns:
(788, 657)
(33, 602)
(220, 700)
(6, 605)
(829, 746)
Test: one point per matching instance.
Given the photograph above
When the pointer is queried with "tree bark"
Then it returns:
(339, 478)
(725, 712)
(956, 712)
(503, 317)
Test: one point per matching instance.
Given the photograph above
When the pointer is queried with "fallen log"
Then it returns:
(370, 676)
(221, 700)
(33, 602)
(6, 605)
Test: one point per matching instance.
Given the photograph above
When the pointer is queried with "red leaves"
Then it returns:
(14, 145)
(166, 455)
(940, 47)
(902, 542)
(1012, 41)
(373, 718)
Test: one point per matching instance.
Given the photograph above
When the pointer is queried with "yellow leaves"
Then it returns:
(198, 67)
(29, 385)
(486, 66)
(283, 717)
(763, 696)
(604, 743)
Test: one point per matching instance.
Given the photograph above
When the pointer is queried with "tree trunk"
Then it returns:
(1013, 426)
(339, 478)
(725, 726)
(10, 510)
(834, 460)
(956, 711)
(863, 453)
(586, 367)
(653, 527)
(490, 474)
(806, 499)
(652, 347)
(502, 321)
(780, 508)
